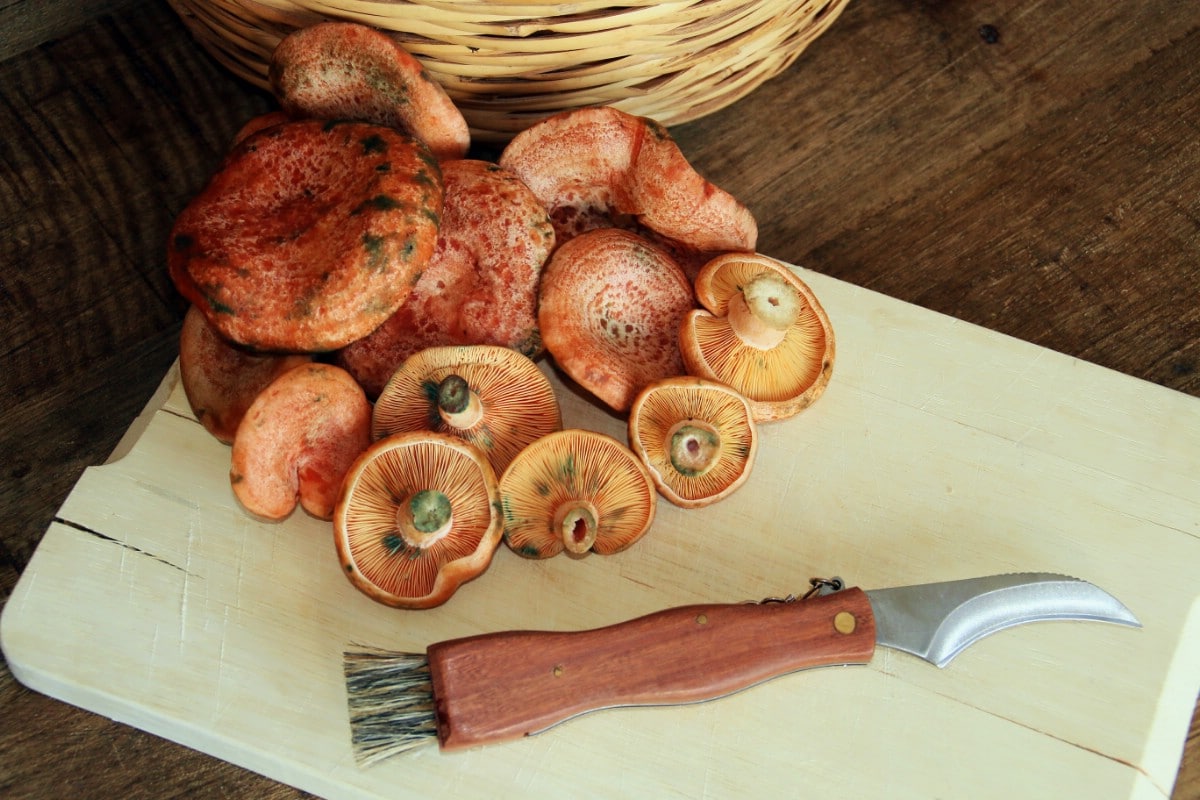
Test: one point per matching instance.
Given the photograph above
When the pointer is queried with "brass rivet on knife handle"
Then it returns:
(500, 686)
(844, 622)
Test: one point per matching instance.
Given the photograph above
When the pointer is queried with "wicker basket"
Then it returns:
(508, 64)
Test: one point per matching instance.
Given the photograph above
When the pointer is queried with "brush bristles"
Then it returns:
(391, 703)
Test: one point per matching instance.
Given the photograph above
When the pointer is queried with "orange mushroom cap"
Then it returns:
(576, 490)
(610, 307)
(602, 167)
(491, 396)
(697, 437)
(310, 235)
(344, 70)
(297, 440)
(417, 517)
(762, 331)
(480, 285)
(221, 379)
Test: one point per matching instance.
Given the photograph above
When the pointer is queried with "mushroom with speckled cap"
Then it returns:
(610, 305)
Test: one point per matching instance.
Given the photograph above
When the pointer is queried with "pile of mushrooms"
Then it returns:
(368, 307)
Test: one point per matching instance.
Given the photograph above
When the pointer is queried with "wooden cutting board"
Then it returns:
(940, 451)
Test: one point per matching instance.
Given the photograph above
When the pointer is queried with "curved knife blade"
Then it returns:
(937, 621)
(685, 654)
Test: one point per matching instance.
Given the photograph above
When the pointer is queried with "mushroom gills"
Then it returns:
(576, 491)
(418, 516)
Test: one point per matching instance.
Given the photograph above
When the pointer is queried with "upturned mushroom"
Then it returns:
(601, 167)
(697, 437)
(309, 235)
(480, 285)
(345, 70)
(762, 331)
(297, 440)
(610, 307)
(491, 396)
(418, 516)
(221, 379)
(577, 491)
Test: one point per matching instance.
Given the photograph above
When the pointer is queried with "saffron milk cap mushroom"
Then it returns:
(603, 167)
(345, 70)
(577, 491)
(418, 516)
(221, 379)
(309, 235)
(610, 307)
(481, 283)
(697, 437)
(762, 331)
(492, 396)
(296, 441)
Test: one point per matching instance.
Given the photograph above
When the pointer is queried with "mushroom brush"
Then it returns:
(502, 686)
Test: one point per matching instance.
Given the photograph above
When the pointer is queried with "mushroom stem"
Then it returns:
(425, 518)
(578, 523)
(763, 311)
(457, 404)
(694, 447)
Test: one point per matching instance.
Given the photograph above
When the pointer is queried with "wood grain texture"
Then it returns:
(1028, 166)
(28, 23)
(679, 655)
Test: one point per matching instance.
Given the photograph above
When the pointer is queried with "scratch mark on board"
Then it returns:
(193, 525)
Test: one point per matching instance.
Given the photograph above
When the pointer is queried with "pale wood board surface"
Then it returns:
(941, 450)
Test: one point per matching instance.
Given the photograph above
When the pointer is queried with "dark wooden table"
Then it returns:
(1030, 167)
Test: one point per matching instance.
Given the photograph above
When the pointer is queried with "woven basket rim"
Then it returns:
(508, 64)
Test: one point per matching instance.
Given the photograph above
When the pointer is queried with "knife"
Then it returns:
(501, 686)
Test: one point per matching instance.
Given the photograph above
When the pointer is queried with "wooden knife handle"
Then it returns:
(501, 686)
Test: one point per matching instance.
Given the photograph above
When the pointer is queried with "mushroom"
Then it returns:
(575, 490)
(297, 440)
(344, 70)
(762, 332)
(309, 235)
(592, 165)
(491, 396)
(697, 437)
(221, 379)
(417, 517)
(610, 307)
(601, 167)
(480, 285)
